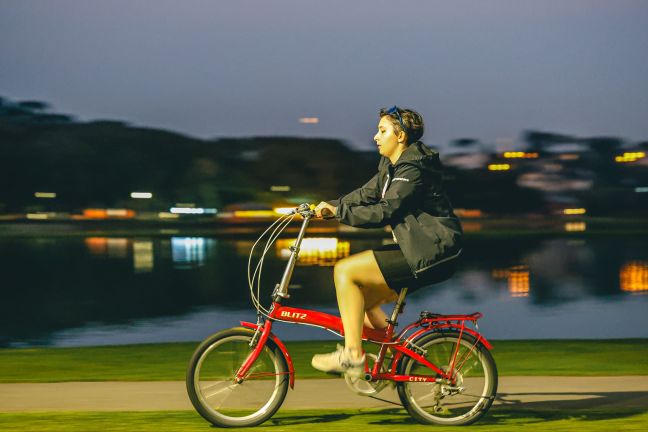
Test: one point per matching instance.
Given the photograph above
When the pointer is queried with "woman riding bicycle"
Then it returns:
(406, 194)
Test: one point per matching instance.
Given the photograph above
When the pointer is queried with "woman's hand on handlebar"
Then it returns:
(325, 210)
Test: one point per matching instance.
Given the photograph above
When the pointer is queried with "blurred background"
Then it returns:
(144, 146)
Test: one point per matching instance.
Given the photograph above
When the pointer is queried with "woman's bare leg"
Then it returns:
(376, 318)
(367, 322)
(351, 304)
(359, 286)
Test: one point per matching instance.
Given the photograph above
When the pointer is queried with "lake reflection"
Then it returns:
(101, 290)
(634, 277)
(321, 251)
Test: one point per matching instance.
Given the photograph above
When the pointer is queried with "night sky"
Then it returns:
(485, 70)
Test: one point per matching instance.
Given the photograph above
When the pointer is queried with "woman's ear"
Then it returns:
(402, 137)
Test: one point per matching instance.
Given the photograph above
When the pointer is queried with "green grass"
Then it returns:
(392, 420)
(572, 357)
(158, 362)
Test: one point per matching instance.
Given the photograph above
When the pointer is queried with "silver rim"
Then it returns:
(214, 394)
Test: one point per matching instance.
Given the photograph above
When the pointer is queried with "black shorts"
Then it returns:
(398, 274)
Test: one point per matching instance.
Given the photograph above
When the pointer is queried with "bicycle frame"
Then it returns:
(403, 344)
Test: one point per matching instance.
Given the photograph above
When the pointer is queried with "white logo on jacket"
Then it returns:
(387, 183)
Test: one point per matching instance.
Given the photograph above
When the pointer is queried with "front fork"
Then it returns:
(262, 334)
(251, 358)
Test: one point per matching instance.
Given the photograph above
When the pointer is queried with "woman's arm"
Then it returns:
(403, 188)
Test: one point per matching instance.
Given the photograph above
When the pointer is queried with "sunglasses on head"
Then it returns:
(395, 110)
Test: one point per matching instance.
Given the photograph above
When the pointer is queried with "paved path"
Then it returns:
(567, 392)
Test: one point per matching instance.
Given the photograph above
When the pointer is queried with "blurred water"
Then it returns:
(98, 290)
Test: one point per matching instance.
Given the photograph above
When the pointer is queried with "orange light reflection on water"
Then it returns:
(517, 278)
(113, 247)
(633, 277)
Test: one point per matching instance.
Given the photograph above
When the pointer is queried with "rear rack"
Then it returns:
(429, 317)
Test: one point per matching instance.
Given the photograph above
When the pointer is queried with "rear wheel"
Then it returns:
(444, 402)
(211, 380)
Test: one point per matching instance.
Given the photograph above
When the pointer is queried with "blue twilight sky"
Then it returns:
(482, 69)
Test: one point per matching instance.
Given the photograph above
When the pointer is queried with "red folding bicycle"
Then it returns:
(441, 365)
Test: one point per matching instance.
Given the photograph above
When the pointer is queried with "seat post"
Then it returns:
(398, 307)
(389, 333)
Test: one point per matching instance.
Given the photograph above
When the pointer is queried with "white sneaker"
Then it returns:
(339, 361)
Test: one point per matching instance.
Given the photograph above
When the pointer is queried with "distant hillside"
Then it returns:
(100, 163)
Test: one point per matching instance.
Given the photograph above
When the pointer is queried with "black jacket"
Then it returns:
(409, 197)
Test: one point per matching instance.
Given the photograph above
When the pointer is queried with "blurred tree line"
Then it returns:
(99, 163)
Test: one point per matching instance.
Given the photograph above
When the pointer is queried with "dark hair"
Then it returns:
(412, 122)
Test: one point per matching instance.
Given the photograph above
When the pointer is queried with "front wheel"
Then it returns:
(461, 402)
(211, 380)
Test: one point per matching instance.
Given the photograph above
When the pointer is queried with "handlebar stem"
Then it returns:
(282, 289)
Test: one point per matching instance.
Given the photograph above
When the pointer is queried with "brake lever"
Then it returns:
(303, 210)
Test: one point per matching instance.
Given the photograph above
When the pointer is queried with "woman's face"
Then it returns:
(386, 138)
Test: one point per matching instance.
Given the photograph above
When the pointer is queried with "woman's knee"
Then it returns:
(354, 266)
(350, 268)
(342, 271)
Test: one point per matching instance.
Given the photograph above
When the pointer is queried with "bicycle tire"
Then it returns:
(412, 394)
(215, 395)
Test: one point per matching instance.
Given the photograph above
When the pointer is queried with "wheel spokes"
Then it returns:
(223, 394)
(223, 399)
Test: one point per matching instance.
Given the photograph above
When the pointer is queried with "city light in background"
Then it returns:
(574, 211)
(499, 167)
(280, 188)
(192, 210)
(520, 155)
(630, 157)
(48, 195)
(91, 213)
(468, 213)
(37, 216)
(141, 195)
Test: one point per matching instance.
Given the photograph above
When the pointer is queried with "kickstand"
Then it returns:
(385, 400)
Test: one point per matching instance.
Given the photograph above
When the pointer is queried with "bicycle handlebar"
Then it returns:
(308, 210)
